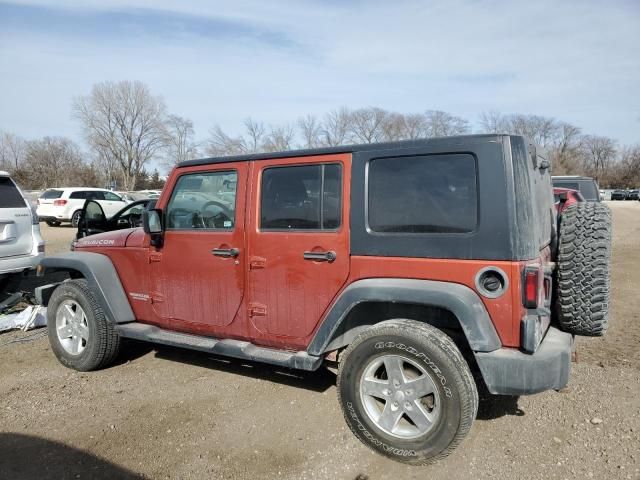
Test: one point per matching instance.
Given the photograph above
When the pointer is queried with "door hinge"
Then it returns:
(257, 263)
(156, 297)
(257, 310)
(155, 257)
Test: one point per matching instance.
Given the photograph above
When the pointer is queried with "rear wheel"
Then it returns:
(53, 223)
(75, 218)
(584, 254)
(406, 391)
(80, 335)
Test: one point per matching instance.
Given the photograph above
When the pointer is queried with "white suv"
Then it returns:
(21, 245)
(59, 205)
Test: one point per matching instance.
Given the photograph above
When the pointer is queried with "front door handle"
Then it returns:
(226, 252)
(320, 256)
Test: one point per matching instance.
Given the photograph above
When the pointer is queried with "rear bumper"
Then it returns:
(508, 371)
(19, 263)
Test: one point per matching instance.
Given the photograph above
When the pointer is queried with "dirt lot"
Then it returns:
(166, 413)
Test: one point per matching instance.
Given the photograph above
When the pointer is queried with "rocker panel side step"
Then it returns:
(226, 347)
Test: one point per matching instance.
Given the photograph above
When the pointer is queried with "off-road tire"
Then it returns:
(583, 275)
(441, 359)
(103, 343)
(75, 218)
(52, 223)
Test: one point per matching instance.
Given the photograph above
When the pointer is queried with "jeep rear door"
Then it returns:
(197, 277)
(298, 244)
(15, 221)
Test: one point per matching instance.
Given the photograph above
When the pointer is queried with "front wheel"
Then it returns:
(80, 334)
(407, 392)
(75, 218)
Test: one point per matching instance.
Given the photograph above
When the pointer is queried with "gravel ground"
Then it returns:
(167, 413)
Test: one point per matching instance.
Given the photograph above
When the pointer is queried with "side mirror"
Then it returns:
(152, 224)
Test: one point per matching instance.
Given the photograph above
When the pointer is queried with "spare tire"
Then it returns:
(583, 274)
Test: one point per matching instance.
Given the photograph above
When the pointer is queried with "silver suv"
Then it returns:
(21, 245)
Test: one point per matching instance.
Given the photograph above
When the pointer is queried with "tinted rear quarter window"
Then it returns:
(423, 194)
(10, 196)
(51, 194)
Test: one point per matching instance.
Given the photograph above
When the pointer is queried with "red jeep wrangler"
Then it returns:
(410, 264)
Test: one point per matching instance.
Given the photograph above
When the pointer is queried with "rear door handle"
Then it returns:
(320, 256)
(226, 252)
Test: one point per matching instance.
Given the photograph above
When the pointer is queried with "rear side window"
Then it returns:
(95, 195)
(423, 194)
(302, 197)
(51, 194)
(78, 195)
(10, 196)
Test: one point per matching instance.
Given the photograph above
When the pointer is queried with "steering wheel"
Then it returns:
(224, 214)
(178, 212)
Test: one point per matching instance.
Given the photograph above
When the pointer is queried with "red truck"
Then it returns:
(411, 265)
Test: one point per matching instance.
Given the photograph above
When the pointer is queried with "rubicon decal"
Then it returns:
(98, 242)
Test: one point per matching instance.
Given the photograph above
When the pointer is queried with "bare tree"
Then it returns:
(279, 139)
(565, 149)
(627, 172)
(105, 163)
(125, 121)
(311, 130)
(415, 126)
(180, 143)
(366, 125)
(493, 122)
(255, 134)
(443, 124)
(220, 143)
(598, 155)
(336, 127)
(54, 162)
(12, 150)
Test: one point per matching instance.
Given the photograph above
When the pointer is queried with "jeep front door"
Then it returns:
(298, 244)
(197, 277)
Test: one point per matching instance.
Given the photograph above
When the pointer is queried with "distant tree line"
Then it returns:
(126, 128)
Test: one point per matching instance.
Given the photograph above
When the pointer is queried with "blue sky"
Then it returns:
(220, 62)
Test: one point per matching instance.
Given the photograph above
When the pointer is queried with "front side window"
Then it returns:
(112, 197)
(203, 201)
(423, 194)
(302, 197)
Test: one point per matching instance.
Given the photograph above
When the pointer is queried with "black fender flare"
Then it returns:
(460, 300)
(101, 277)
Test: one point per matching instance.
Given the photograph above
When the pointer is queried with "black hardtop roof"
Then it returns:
(456, 141)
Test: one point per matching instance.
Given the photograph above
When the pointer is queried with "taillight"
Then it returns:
(59, 203)
(531, 286)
